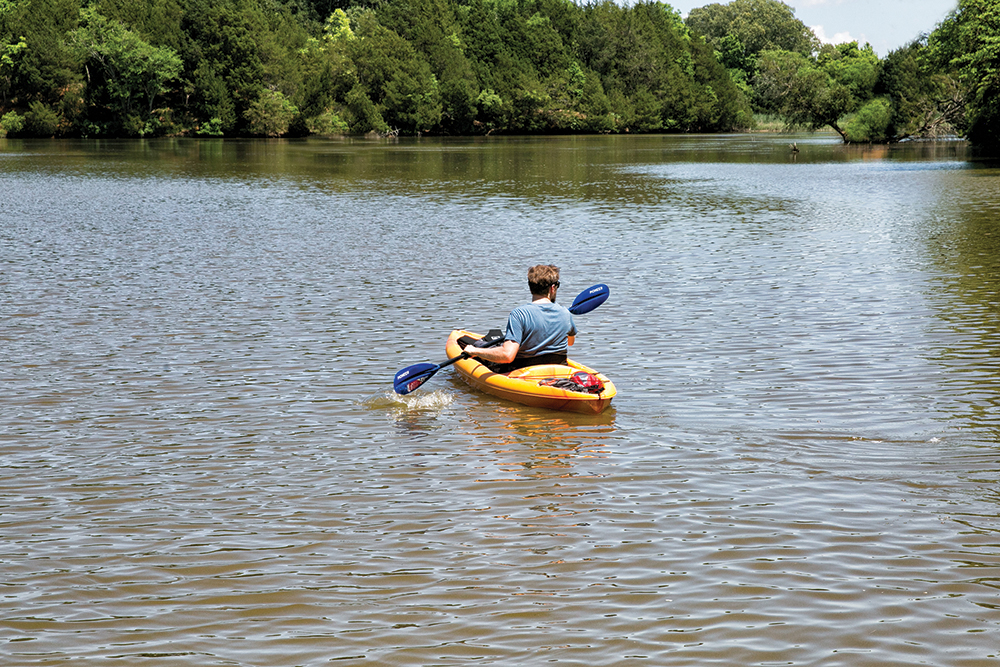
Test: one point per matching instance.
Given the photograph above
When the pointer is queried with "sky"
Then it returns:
(885, 24)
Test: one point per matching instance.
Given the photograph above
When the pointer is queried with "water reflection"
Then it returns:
(552, 446)
(964, 244)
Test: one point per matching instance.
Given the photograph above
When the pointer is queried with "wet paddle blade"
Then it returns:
(412, 377)
(589, 299)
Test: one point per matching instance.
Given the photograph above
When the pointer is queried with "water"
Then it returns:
(202, 461)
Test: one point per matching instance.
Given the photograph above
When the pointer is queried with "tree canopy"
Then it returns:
(282, 67)
(966, 47)
(295, 67)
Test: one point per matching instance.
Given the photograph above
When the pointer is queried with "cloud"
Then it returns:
(838, 38)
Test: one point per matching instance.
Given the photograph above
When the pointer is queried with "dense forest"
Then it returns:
(298, 67)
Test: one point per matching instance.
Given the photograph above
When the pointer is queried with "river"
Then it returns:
(202, 461)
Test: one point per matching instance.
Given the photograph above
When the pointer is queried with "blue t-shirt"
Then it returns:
(540, 328)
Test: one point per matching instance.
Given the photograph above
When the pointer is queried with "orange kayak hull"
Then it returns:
(522, 385)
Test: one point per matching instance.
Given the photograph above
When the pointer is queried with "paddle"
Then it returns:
(413, 376)
(589, 299)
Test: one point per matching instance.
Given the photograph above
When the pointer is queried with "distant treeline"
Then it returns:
(297, 67)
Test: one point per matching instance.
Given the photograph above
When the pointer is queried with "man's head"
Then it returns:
(541, 278)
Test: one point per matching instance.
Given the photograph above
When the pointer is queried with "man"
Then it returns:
(537, 333)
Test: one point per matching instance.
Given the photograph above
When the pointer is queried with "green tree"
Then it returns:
(639, 50)
(271, 114)
(497, 69)
(11, 46)
(925, 101)
(816, 93)
(41, 120)
(743, 29)
(433, 29)
(338, 27)
(794, 87)
(11, 123)
(229, 43)
(855, 67)
(125, 74)
(721, 103)
(212, 97)
(327, 75)
(9, 52)
(395, 78)
(967, 44)
(159, 22)
(490, 110)
(45, 69)
(364, 114)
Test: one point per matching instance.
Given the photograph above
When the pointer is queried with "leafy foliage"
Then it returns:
(297, 67)
(741, 30)
(271, 114)
(758, 25)
(125, 74)
(967, 47)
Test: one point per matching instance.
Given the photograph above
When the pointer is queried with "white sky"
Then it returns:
(885, 24)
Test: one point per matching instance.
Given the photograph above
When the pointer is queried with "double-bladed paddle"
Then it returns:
(413, 376)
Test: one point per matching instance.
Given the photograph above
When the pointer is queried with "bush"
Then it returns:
(212, 128)
(367, 117)
(872, 123)
(326, 123)
(11, 123)
(490, 110)
(41, 121)
(271, 114)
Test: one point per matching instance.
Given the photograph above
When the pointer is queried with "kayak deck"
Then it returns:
(523, 385)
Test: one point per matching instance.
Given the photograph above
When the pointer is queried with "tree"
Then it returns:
(744, 28)
(271, 114)
(967, 44)
(445, 66)
(433, 29)
(158, 22)
(41, 120)
(639, 51)
(817, 93)
(228, 43)
(855, 67)
(925, 101)
(124, 73)
(327, 76)
(45, 69)
(365, 115)
(720, 102)
(795, 88)
(9, 52)
(395, 78)
(873, 123)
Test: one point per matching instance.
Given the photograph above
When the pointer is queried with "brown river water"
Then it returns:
(202, 461)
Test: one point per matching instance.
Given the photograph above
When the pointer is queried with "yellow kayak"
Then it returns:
(527, 385)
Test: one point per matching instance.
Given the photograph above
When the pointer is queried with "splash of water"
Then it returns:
(429, 401)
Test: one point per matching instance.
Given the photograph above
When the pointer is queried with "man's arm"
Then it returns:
(503, 354)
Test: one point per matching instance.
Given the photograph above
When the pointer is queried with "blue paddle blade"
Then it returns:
(589, 299)
(412, 377)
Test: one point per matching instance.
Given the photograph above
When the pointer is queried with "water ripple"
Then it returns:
(202, 461)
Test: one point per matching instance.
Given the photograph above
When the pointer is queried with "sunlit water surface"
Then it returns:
(202, 461)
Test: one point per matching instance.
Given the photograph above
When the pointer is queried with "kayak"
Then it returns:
(527, 385)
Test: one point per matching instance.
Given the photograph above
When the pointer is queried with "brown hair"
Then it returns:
(541, 278)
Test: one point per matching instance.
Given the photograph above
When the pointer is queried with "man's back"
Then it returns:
(540, 328)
